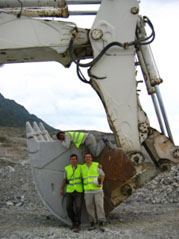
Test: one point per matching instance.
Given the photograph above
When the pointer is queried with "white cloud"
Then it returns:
(54, 94)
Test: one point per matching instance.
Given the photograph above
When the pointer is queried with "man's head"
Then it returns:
(60, 135)
(73, 159)
(88, 158)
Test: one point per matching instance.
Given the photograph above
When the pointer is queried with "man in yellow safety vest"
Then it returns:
(93, 178)
(79, 138)
(74, 191)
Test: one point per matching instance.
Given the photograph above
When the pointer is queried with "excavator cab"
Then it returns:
(117, 44)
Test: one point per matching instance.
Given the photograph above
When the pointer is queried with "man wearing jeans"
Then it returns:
(74, 191)
(93, 178)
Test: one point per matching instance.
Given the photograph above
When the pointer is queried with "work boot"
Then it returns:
(76, 229)
(101, 226)
(72, 227)
(92, 226)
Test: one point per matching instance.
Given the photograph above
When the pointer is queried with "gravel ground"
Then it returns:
(152, 212)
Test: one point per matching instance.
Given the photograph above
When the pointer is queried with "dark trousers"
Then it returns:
(74, 202)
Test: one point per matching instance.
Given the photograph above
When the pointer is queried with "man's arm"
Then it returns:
(67, 141)
(102, 181)
(63, 184)
(102, 176)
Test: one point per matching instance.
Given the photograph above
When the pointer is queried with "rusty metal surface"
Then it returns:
(118, 172)
(39, 12)
(32, 3)
(160, 147)
(123, 177)
(165, 148)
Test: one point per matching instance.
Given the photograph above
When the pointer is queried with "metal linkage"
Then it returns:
(44, 3)
(74, 2)
(45, 8)
(153, 71)
(150, 71)
(157, 111)
(162, 108)
(82, 2)
(32, 3)
(80, 13)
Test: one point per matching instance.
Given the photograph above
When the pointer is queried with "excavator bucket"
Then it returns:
(122, 176)
(48, 159)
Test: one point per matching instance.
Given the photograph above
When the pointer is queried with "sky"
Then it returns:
(57, 96)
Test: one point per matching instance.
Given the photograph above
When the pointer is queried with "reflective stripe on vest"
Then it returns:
(74, 178)
(76, 138)
(89, 175)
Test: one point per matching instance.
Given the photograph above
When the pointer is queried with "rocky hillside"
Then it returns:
(15, 115)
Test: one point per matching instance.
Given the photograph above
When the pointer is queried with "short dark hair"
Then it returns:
(58, 134)
(74, 155)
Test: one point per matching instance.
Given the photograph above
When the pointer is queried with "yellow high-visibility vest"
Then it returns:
(89, 175)
(76, 138)
(74, 178)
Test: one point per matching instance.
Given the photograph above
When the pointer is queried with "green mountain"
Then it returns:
(15, 115)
